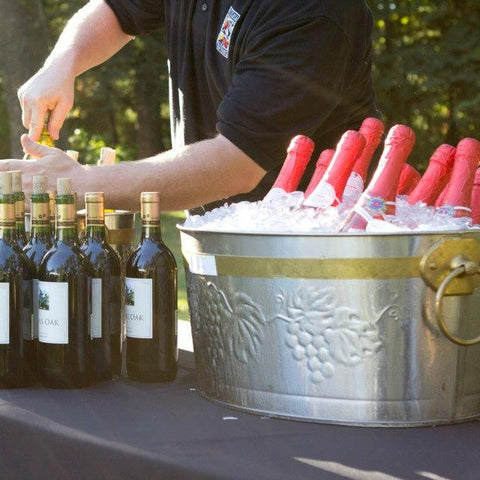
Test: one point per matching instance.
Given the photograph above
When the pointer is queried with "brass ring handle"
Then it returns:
(438, 308)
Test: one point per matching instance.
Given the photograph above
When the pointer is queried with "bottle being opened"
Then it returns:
(329, 190)
(151, 301)
(456, 201)
(372, 129)
(436, 176)
(299, 152)
(378, 199)
(321, 167)
(105, 319)
(45, 138)
(16, 277)
(409, 178)
(64, 301)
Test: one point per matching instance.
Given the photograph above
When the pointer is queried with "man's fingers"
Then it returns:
(33, 148)
(35, 125)
(57, 117)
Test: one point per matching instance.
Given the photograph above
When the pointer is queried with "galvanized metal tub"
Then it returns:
(359, 329)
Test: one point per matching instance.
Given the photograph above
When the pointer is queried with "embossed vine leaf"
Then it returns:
(247, 328)
(351, 339)
(310, 305)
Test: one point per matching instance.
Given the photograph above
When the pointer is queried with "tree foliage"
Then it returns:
(426, 73)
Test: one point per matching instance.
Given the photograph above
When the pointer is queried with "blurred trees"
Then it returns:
(426, 71)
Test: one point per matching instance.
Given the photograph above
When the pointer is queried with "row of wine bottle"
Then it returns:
(61, 302)
(451, 182)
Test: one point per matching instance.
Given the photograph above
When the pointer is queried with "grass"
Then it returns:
(171, 238)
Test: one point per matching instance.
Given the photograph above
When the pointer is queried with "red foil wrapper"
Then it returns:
(409, 179)
(321, 166)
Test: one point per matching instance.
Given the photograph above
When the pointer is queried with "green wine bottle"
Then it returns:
(19, 196)
(64, 302)
(37, 246)
(15, 294)
(151, 301)
(105, 320)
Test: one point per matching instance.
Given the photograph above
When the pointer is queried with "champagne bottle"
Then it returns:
(45, 138)
(151, 301)
(64, 301)
(105, 320)
(409, 178)
(15, 295)
(19, 197)
(372, 129)
(321, 166)
(458, 192)
(330, 189)
(37, 246)
(475, 203)
(299, 152)
(436, 176)
(378, 199)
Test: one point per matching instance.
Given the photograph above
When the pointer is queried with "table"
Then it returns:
(126, 430)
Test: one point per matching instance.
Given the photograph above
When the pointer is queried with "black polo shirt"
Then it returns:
(261, 71)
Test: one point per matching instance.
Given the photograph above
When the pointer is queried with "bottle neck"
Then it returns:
(65, 228)
(19, 211)
(39, 216)
(95, 221)
(7, 217)
(151, 228)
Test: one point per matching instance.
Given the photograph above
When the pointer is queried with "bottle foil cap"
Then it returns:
(94, 197)
(150, 197)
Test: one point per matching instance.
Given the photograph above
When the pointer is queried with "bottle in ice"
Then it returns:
(378, 199)
(15, 296)
(299, 152)
(321, 167)
(475, 202)
(436, 176)
(151, 301)
(409, 178)
(105, 295)
(37, 246)
(329, 190)
(457, 195)
(19, 196)
(64, 301)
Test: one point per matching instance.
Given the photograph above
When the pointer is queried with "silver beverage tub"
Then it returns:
(359, 329)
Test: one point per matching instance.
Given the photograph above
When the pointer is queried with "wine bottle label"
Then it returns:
(27, 310)
(19, 210)
(139, 307)
(323, 196)
(40, 215)
(35, 308)
(354, 188)
(53, 312)
(65, 216)
(5, 313)
(150, 214)
(96, 316)
(7, 216)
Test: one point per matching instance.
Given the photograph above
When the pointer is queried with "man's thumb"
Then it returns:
(32, 148)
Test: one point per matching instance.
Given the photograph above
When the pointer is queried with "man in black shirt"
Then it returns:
(245, 77)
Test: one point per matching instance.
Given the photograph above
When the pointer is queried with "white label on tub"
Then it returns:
(53, 312)
(4, 313)
(139, 307)
(202, 264)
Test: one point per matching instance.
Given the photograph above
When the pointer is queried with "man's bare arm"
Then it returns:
(90, 37)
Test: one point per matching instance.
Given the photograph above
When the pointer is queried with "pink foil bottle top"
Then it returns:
(436, 176)
(329, 190)
(409, 178)
(321, 166)
(456, 201)
(378, 199)
(475, 202)
(299, 152)
(372, 129)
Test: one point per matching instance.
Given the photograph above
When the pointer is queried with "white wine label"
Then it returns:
(202, 264)
(35, 308)
(139, 307)
(53, 312)
(5, 313)
(27, 312)
(96, 316)
(323, 196)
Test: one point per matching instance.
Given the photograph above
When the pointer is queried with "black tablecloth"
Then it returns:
(126, 430)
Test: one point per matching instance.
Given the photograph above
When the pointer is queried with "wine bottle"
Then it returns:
(475, 203)
(19, 197)
(372, 129)
(151, 301)
(64, 301)
(409, 178)
(458, 192)
(436, 176)
(299, 152)
(45, 138)
(37, 246)
(330, 189)
(378, 199)
(321, 166)
(15, 295)
(51, 212)
(105, 321)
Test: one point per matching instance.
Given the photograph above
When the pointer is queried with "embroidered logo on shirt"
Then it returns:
(226, 30)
